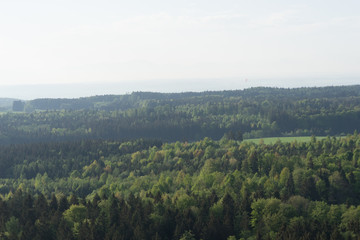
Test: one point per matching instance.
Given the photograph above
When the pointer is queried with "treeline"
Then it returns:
(250, 113)
(136, 99)
(207, 189)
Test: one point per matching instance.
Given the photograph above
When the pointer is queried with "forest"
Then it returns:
(250, 113)
(207, 189)
(175, 166)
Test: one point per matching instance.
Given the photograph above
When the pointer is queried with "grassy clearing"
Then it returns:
(273, 140)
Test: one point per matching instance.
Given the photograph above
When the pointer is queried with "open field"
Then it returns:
(282, 139)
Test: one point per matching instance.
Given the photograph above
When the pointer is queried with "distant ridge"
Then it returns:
(76, 90)
(126, 101)
(238, 114)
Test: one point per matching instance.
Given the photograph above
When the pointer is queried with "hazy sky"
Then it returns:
(77, 41)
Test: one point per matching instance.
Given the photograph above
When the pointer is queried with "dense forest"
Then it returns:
(207, 189)
(175, 166)
(249, 113)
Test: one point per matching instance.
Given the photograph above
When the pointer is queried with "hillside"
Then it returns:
(250, 113)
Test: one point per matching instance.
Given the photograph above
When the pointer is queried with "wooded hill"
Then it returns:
(249, 113)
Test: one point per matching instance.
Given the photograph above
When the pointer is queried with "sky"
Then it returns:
(169, 44)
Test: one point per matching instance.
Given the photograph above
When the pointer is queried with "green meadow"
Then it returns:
(273, 140)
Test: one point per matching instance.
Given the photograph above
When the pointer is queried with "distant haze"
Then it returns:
(75, 90)
(129, 42)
